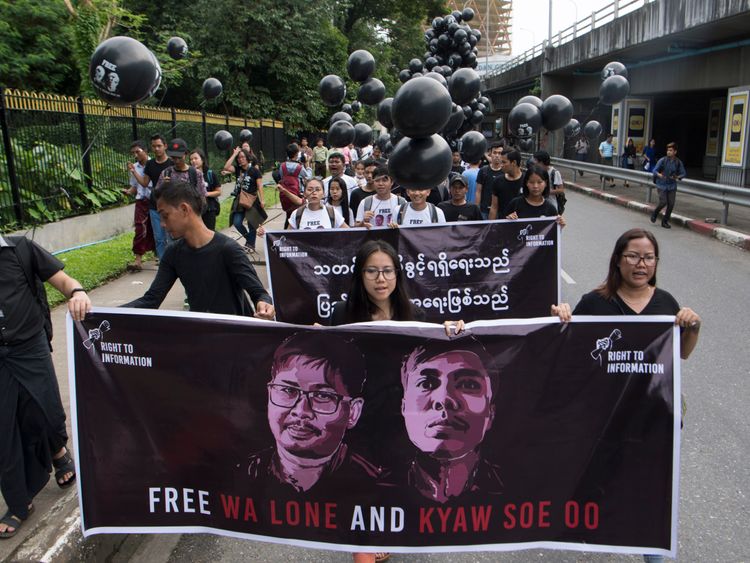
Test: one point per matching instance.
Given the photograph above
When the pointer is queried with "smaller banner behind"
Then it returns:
(471, 271)
(379, 437)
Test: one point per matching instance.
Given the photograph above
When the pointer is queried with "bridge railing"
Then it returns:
(597, 18)
(723, 193)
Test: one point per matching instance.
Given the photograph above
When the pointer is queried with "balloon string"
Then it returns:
(98, 133)
(166, 89)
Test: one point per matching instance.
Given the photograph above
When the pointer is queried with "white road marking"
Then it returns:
(567, 277)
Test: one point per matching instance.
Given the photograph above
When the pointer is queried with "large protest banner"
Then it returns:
(379, 436)
(470, 271)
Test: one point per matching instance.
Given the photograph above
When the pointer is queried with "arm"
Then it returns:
(478, 193)
(562, 311)
(681, 172)
(163, 282)
(229, 164)
(493, 208)
(690, 323)
(78, 303)
(259, 185)
(142, 179)
(296, 200)
(243, 272)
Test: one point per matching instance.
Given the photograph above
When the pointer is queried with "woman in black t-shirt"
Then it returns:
(249, 180)
(199, 161)
(533, 202)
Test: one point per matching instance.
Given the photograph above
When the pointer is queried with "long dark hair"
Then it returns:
(204, 160)
(344, 197)
(609, 286)
(539, 171)
(359, 307)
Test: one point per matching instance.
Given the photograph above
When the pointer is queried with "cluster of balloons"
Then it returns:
(224, 141)
(615, 86)
(531, 114)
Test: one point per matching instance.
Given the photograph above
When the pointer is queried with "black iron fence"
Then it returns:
(66, 156)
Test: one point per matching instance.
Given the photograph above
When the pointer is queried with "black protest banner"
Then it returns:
(379, 437)
(472, 271)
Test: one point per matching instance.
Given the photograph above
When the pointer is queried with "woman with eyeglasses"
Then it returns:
(630, 289)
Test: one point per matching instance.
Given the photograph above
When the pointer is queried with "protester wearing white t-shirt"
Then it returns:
(379, 210)
(418, 211)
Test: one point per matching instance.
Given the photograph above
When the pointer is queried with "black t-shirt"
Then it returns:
(213, 276)
(153, 170)
(662, 303)
(525, 210)
(466, 212)
(505, 190)
(21, 318)
(247, 180)
(356, 198)
(486, 177)
(438, 194)
(339, 317)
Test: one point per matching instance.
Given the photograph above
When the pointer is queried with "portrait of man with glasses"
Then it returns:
(314, 398)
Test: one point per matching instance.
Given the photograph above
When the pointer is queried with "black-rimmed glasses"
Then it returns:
(633, 259)
(321, 402)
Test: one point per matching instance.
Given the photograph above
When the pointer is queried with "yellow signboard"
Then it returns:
(714, 126)
(734, 137)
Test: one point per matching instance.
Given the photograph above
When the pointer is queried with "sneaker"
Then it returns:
(666, 225)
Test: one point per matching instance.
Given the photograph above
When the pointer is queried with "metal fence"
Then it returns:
(65, 156)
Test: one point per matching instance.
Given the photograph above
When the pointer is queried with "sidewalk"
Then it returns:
(692, 212)
(53, 532)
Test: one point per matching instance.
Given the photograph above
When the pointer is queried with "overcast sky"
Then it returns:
(530, 19)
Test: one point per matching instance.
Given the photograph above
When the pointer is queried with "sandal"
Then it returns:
(11, 520)
(63, 465)
(134, 268)
(382, 557)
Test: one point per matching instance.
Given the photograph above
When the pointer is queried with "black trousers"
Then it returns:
(666, 199)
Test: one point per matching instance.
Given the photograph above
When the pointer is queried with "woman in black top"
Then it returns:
(630, 289)
(628, 157)
(533, 202)
(250, 180)
(213, 188)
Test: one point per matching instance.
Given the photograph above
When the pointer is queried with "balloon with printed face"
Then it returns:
(371, 92)
(420, 163)
(177, 48)
(223, 140)
(341, 134)
(614, 89)
(473, 146)
(464, 85)
(341, 116)
(123, 71)
(593, 130)
(614, 69)
(362, 135)
(421, 107)
(556, 112)
(572, 128)
(360, 65)
(384, 113)
(246, 136)
(332, 90)
(211, 88)
(524, 119)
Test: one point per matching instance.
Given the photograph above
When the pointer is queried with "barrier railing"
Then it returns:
(725, 194)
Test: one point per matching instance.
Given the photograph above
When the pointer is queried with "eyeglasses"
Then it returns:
(374, 273)
(634, 259)
(321, 402)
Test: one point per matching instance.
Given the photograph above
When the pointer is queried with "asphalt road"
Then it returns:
(706, 275)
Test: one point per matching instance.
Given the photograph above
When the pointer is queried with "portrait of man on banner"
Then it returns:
(314, 398)
(448, 406)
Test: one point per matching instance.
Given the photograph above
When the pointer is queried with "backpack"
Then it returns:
(290, 183)
(404, 206)
(26, 258)
(192, 174)
(329, 209)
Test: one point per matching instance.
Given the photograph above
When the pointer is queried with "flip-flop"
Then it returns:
(11, 520)
(63, 465)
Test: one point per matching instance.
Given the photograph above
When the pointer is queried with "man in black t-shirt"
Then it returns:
(212, 267)
(32, 417)
(507, 186)
(486, 177)
(367, 190)
(457, 209)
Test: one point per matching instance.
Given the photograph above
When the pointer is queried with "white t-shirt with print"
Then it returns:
(385, 210)
(351, 185)
(340, 215)
(318, 219)
(413, 218)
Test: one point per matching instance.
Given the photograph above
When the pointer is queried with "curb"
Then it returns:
(722, 234)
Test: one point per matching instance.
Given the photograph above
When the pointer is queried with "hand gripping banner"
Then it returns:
(516, 434)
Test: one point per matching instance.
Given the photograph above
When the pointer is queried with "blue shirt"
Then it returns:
(470, 176)
(606, 149)
(671, 168)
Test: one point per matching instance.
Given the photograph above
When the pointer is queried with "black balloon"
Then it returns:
(383, 141)
(572, 128)
(447, 71)
(430, 63)
(360, 65)
(211, 88)
(415, 65)
(464, 85)
(404, 75)
(481, 107)
(123, 71)
(356, 106)
(524, 119)
(484, 100)
(455, 120)
(556, 112)
(457, 15)
(438, 24)
(533, 100)
(439, 77)
(416, 74)
(223, 140)
(177, 48)
(347, 108)
(421, 107)
(473, 146)
(614, 89)
(420, 163)
(476, 33)
(246, 136)
(341, 134)
(341, 116)
(384, 113)
(396, 136)
(362, 135)
(477, 117)
(467, 14)
(460, 36)
(593, 130)
(332, 90)
(444, 41)
(614, 69)
(371, 92)
(467, 111)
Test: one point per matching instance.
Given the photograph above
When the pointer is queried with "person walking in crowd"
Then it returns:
(667, 171)
(649, 156)
(533, 202)
(213, 269)
(359, 173)
(292, 178)
(418, 211)
(143, 241)
(32, 416)
(486, 177)
(470, 175)
(250, 181)
(557, 187)
(628, 157)
(337, 199)
(320, 157)
(151, 174)
(377, 153)
(306, 151)
(457, 166)
(458, 208)
(199, 161)
(508, 186)
(582, 150)
(180, 170)
(363, 191)
(337, 164)
(606, 150)
(314, 214)
(379, 209)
